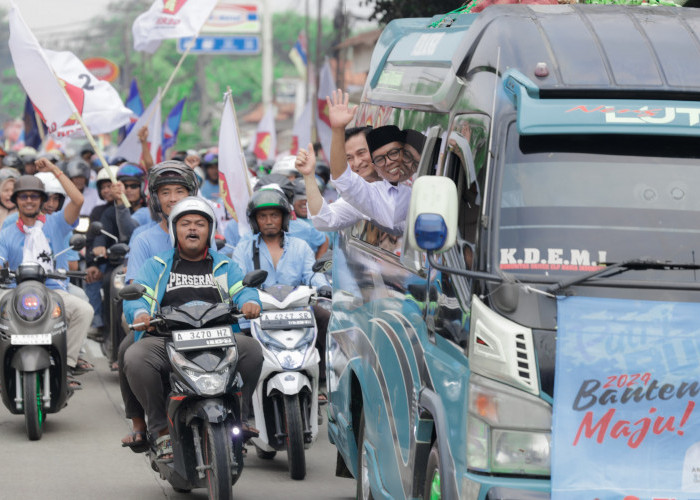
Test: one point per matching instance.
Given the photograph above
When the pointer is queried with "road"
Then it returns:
(80, 457)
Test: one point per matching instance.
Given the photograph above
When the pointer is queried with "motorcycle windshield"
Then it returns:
(197, 314)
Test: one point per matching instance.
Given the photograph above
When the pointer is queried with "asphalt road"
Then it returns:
(80, 457)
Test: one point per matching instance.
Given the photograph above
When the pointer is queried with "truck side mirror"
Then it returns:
(431, 224)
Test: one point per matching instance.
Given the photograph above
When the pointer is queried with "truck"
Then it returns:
(532, 331)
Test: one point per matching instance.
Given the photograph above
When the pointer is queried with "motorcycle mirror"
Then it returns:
(220, 243)
(94, 228)
(77, 242)
(134, 291)
(119, 249)
(322, 265)
(255, 278)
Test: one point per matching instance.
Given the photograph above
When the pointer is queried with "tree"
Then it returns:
(388, 10)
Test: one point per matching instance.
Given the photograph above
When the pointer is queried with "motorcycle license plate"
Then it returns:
(204, 338)
(33, 339)
(280, 320)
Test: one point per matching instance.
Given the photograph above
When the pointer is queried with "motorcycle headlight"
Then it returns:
(290, 360)
(267, 340)
(31, 302)
(208, 383)
(509, 431)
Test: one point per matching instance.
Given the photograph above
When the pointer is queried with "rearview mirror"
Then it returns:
(95, 228)
(134, 291)
(255, 278)
(77, 242)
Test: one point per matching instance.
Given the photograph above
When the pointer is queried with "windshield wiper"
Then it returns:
(617, 268)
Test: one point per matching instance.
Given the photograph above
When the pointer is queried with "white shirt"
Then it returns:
(384, 203)
(336, 216)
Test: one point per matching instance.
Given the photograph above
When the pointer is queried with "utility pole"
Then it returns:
(319, 34)
(267, 55)
(308, 47)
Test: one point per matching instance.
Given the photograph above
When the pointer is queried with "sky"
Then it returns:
(49, 16)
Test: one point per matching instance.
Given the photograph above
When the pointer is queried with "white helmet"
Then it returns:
(51, 183)
(103, 176)
(285, 166)
(192, 205)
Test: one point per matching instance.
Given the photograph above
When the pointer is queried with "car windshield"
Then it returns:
(571, 204)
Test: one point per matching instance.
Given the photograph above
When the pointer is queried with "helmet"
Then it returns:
(52, 186)
(103, 176)
(281, 181)
(27, 154)
(285, 166)
(169, 172)
(199, 173)
(78, 168)
(130, 172)
(13, 160)
(192, 205)
(210, 159)
(51, 156)
(8, 173)
(268, 197)
(299, 190)
(28, 183)
(118, 160)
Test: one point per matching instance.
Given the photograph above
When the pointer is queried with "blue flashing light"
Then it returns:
(430, 231)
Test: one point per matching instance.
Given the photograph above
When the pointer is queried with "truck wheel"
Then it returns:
(217, 458)
(432, 489)
(33, 405)
(295, 437)
(363, 491)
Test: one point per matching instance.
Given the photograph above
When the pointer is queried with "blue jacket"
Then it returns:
(155, 273)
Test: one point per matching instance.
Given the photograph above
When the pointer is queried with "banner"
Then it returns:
(169, 19)
(301, 133)
(40, 72)
(135, 104)
(299, 54)
(625, 421)
(266, 136)
(171, 126)
(326, 86)
(130, 148)
(233, 171)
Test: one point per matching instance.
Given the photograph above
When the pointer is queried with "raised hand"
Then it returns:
(306, 161)
(339, 112)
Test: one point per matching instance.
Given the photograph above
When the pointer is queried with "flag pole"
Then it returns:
(229, 95)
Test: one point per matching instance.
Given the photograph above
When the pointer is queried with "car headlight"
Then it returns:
(31, 303)
(509, 431)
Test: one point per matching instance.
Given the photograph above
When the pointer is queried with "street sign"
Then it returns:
(231, 44)
(233, 17)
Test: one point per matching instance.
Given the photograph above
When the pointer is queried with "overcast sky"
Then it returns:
(46, 16)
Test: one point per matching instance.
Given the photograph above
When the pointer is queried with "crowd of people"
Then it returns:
(171, 221)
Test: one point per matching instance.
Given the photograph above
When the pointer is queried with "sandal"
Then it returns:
(74, 385)
(249, 431)
(139, 441)
(164, 449)
(83, 366)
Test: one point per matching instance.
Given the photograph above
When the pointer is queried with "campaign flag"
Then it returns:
(170, 19)
(32, 136)
(130, 148)
(299, 54)
(135, 104)
(43, 73)
(266, 137)
(301, 133)
(171, 126)
(626, 421)
(233, 171)
(326, 86)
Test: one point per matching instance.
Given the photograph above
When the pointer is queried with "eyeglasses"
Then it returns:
(132, 186)
(28, 196)
(392, 154)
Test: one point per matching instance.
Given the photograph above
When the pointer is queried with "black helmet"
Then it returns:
(169, 172)
(28, 183)
(270, 197)
(299, 190)
(282, 181)
(13, 160)
(78, 168)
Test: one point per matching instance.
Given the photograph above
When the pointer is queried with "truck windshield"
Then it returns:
(569, 204)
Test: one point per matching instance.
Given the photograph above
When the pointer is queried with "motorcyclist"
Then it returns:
(288, 260)
(8, 176)
(36, 237)
(170, 278)
(210, 186)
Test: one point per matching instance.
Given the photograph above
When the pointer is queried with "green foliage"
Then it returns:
(388, 10)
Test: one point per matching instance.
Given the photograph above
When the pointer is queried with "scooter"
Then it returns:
(33, 378)
(285, 401)
(204, 407)
(116, 254)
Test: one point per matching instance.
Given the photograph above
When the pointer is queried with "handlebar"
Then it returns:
(154, 321)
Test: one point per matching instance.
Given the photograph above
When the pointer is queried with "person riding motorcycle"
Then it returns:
(189, 271)
(8, 176)
(79, 171)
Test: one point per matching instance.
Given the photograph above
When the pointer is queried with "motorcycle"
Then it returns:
(33, 378)
(204, 407)
(285, 401)
(116, 273)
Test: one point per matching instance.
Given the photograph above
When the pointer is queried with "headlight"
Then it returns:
(290, 360)
(509, 431)
(31, 303)
(208, 383)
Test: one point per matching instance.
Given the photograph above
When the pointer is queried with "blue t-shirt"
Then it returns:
(10, 220)
(308, 233)
(142, 216)
(56, 230)
(143, 246)
(293, 268)
(210, 190)
(232, 237)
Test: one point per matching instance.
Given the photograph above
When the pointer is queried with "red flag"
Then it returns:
(266, 138)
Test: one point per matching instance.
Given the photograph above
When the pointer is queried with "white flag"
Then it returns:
(266, 136)
(233, 171)
(130, 148)
(37, 69)
(170, 19)
(326, 86)
(301, 133)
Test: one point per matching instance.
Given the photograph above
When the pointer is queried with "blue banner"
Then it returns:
(171, 126)
(626, 416)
